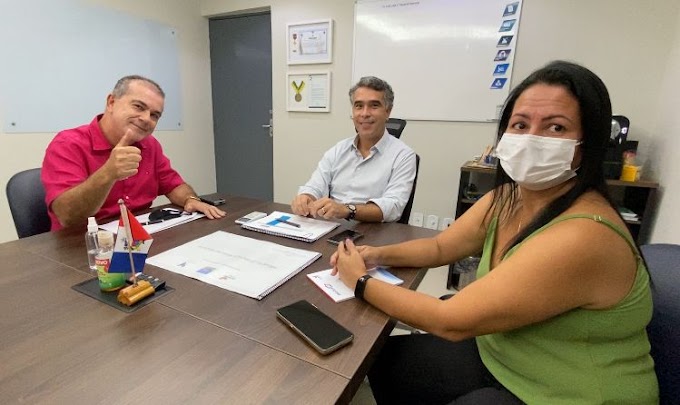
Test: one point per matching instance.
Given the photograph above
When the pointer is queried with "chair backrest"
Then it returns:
(406, 214)
(395, 126)
(26, 198)
(663, 261)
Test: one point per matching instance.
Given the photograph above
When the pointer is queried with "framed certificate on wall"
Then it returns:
(308, 91)
(310, 42)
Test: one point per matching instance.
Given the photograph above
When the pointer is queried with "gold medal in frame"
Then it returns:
(308, 91)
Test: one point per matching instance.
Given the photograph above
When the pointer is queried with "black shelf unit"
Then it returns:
(638, 196)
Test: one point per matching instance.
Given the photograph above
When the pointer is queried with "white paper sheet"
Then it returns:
(333, 287)
(169, 223)
(236, 263)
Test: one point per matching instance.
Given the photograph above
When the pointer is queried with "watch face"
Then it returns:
(352, 211)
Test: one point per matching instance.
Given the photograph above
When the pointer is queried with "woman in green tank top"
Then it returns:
(559, 309)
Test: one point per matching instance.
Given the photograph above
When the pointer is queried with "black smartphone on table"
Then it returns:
(316, 328)
(344, 235)
(212, 200)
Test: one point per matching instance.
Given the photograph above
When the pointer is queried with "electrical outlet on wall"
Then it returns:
(416, 219)
(445, 223)
(432, 222)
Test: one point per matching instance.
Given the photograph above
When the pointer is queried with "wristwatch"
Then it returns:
(352, 211)
(361, 286)
(191, 197)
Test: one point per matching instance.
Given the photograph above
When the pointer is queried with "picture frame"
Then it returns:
(308, 91)
(309, 42)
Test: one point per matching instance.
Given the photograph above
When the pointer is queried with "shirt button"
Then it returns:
(127, 197)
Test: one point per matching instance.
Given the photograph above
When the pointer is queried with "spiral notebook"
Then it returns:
(246, 266)
(291, 226)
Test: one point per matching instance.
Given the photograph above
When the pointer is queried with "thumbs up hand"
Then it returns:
(124, 159)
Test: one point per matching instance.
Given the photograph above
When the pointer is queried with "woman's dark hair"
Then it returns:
(596, 117)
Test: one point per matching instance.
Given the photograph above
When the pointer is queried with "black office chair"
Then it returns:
(664, 329)
(395, 126)
(26, 198)
(406, 214)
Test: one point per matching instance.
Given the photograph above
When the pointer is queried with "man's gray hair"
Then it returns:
(376, 84)
(122, 86)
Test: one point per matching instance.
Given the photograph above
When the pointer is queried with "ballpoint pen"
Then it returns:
(285, 221)
(155, 221)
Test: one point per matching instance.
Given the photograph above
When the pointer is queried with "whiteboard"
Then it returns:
(60, 59)
(446, 60)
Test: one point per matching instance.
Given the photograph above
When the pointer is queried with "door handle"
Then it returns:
(269, 126)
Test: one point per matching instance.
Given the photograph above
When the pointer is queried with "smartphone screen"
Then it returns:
(342, 236)
(317, 328)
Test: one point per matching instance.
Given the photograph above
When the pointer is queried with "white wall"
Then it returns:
(665, 148)
(191, 150)
(626, 42)
(623, 41)
(443, 147)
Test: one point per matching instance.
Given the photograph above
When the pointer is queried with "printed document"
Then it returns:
(247, 266)
(338, 291)
(152, 228)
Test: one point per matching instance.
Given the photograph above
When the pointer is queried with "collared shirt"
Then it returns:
(384, 177)
(75, 154)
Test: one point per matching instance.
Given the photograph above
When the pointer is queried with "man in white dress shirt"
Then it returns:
(367, 177)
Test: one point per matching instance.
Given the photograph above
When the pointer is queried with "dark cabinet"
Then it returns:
(637, 198)
(475, 181)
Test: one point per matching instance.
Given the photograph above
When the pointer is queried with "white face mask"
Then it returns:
(536, 162)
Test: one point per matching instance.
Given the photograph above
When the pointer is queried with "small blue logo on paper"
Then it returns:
(507, 25)
(510, 9)
(504, 41)
(205, 270)
(499, 83)
(501, 69)
(502, 55)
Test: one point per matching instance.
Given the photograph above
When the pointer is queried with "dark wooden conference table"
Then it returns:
(196, 344)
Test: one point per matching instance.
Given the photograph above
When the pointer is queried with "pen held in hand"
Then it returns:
(285, 221)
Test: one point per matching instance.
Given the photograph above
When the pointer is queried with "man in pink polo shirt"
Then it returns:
(87, 169)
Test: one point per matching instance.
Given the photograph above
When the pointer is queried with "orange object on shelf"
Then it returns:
(630, 173)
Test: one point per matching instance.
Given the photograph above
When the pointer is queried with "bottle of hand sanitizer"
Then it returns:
(107, 281)
(91, 242)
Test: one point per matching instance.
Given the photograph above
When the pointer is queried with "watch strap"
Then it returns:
(191, 197)
(361, 286)
(352, 211)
